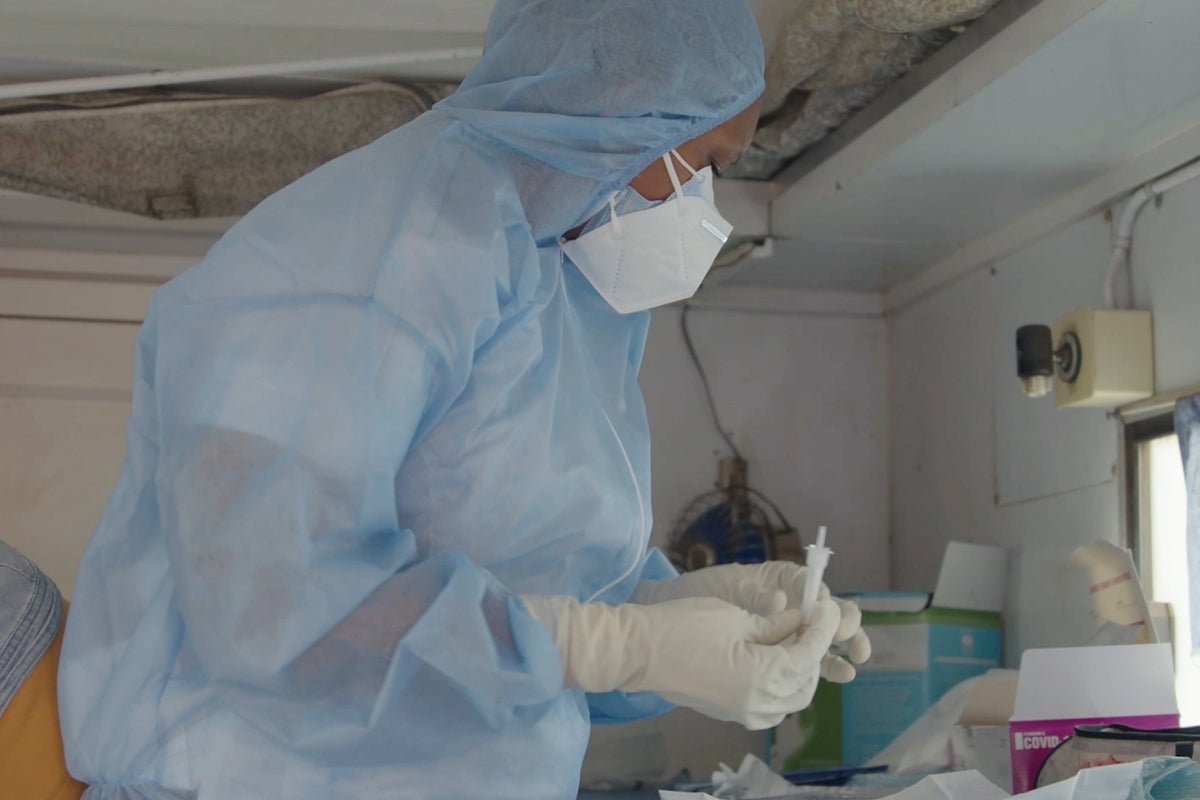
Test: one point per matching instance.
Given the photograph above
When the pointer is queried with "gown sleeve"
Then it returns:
(281, 424)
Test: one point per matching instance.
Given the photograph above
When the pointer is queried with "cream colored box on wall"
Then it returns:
(1116, 358)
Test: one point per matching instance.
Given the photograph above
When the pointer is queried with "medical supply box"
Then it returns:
(1060, 688)
(920, 650)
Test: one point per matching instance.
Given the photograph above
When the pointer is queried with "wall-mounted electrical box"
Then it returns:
(1091, 358)
(1115, 357)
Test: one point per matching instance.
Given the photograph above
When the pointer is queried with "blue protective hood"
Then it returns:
(600, 90)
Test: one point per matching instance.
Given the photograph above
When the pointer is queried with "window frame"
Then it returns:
(1134, 434)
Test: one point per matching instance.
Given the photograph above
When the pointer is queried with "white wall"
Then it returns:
(974, 461)
(805, 399)
(64, 389)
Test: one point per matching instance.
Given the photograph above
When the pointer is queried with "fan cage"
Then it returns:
(726, 526)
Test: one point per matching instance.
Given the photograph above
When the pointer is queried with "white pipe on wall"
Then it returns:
(1124, 233)
(173, 77)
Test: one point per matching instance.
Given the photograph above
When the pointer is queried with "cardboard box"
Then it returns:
(918, 654)
(917, 658)
(979, 740)
(983, 748)
(1064, 687)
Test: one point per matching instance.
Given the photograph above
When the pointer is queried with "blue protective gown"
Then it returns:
(381, 407)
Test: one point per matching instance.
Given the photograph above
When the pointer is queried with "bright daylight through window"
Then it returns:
(1162, 527)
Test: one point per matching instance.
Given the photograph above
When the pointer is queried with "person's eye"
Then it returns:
(716, 168)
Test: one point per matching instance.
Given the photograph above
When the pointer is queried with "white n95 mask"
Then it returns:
(654, 255)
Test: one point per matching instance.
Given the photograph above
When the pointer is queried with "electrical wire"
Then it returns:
(712, 404)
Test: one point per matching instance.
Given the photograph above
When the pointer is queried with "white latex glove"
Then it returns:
(703, 653)
(768, 589)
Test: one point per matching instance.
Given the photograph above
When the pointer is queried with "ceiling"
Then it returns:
(60, 38)
(1035, 100)
(76, 38)
(1044, 102)
(434, 16)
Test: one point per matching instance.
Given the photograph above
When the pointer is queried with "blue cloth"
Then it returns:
(30, 613)
(1187, 428)
(380, 408)
(1167, 779)
(628, 201)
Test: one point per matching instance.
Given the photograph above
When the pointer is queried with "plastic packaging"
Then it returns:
(1117, 595)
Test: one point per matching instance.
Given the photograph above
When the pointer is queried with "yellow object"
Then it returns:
(32, 766)
(1116, 358)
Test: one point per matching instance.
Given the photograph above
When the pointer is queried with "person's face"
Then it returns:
(719, 149)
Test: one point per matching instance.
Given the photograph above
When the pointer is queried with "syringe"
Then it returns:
(816, 559)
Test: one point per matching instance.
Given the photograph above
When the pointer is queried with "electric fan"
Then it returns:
(731, 524)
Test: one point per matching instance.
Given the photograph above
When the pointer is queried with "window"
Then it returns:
(1157, 519)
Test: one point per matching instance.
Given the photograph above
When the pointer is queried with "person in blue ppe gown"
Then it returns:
(382, 528)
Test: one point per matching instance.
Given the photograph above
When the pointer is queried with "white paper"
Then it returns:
(1101, 783)
(925, 745)
(953, 786)
(1084, 682)
(754, 780)
(992, 700)
(973, 577)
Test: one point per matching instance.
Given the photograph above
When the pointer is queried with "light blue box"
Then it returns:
(916, 658)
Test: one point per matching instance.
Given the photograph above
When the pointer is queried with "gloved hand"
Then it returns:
(768, 589)
(703, 653)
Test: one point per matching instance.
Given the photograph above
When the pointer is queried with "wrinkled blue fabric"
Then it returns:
(1167, 779)
(1157, 778)
(1187, 428)
(382, 407)
(628, 201)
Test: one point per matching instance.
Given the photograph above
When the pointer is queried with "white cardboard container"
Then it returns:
(1060, 688)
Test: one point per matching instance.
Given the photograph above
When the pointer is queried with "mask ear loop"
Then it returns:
(686, 165)
(674, 176)
(612, 214)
